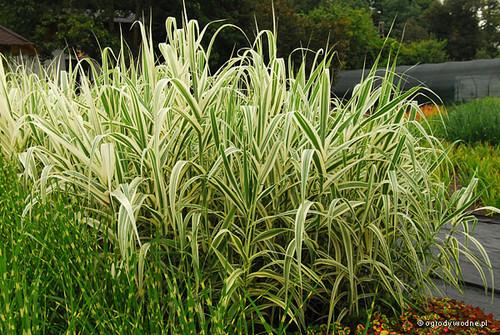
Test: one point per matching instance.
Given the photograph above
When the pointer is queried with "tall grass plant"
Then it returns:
(471, 122)
(268, 203)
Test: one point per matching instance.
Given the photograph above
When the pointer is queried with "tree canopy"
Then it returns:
(424, 30)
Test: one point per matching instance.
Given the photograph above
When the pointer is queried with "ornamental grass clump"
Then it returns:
(473, 122)
(479, 160)
(250, 182)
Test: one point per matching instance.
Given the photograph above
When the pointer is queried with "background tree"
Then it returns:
(490, 29)
(423, 51)
(465, 28)
(399, 11)
(456, 21)
(351, 29)
(61, 23)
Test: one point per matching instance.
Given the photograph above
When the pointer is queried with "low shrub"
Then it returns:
(435, 317)
(429, 111)
(474, 121)
(480, 161)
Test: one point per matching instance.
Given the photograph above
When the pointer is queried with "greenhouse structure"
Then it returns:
(451, 82)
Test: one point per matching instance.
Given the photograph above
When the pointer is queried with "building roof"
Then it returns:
(8, 37)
